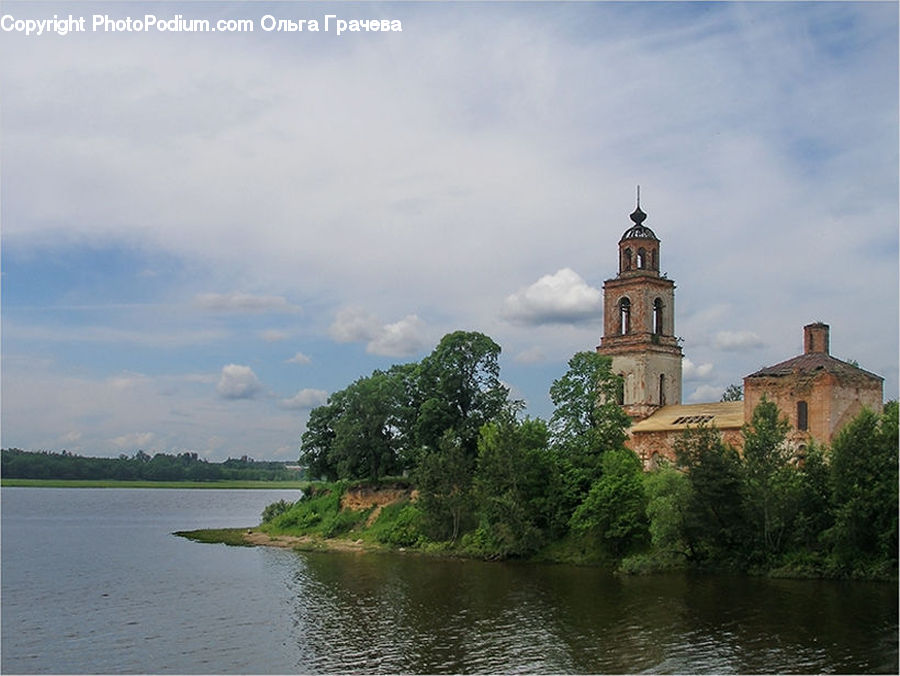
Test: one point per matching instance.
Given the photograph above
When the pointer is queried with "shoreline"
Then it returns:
(251, 537)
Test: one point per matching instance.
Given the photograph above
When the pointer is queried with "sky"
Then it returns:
(206, 234)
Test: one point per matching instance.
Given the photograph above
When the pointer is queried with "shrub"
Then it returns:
(276, 509)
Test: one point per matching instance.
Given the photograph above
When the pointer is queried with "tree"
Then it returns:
(358, 433)
(516, 486)
(714, 518)
(864, 489)
(733, 393)
(444, 478)
(615, 507)
(772, 487)
(668, 494)
(459, 389)
(587, 420)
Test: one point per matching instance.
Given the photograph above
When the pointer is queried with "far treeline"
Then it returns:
(19, 464)
(493, 484)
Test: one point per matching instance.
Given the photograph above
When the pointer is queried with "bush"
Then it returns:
(399, 525)
(276, 509)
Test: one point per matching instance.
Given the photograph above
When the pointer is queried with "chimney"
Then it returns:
(815, 338)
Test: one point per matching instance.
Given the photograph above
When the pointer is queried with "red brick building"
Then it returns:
(817, 393)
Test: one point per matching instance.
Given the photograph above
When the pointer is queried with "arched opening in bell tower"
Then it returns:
(624, 316)
(658, 316)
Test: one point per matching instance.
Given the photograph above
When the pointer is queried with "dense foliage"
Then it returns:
(491, 484)
(19, 464)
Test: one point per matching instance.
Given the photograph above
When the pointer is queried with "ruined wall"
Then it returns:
(652, 447)
(831, 402)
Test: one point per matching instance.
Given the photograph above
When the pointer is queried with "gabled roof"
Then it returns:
(722, 415)
(811, 364)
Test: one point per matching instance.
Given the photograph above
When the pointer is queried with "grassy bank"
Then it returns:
(109, 483)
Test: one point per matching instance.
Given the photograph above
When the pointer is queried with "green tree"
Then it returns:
(772, 483)
(316, 441)
(864, 489)
(586, 419)
(459, 389)
(365, 444)
(733, 393)
(814, 513)
(714, 518)
(444, 479)
(615, 508)
(668, 492)
(361, 432)
(516, 486)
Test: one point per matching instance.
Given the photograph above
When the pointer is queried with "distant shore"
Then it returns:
(111, 483)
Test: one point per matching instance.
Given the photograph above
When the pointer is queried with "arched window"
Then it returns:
(662, 389)
(626, 259)
(624, 316)
(802, 416)
(620, 390)
(641, 258)
(658, 317)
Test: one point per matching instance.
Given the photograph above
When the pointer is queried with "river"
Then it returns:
(93, 581)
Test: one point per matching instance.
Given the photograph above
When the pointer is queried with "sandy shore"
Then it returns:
(308, 542)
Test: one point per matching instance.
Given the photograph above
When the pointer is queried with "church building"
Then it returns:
(817, 393)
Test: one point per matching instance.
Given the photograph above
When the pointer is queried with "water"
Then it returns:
(94, 582)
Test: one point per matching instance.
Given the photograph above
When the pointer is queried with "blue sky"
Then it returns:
(203, 235)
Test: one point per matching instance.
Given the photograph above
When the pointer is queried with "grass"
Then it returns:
(111, 483)
(229, 536)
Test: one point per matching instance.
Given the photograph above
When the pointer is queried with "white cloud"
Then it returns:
(737, 340)
(305, 399)
(400, 339)
(353, 325)
(273, 335)
(706, 393)
(243, 303)
(299, 358)
(563, 297)
(238, 382)
(692, 371)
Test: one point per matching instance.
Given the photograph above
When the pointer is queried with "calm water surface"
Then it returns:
(94, 582)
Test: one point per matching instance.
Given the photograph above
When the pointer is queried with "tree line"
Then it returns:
(497, 484)
(18, 464)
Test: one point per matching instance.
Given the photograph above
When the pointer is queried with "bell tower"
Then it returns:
(639, 324)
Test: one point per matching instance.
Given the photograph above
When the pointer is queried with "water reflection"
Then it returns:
(394, 613)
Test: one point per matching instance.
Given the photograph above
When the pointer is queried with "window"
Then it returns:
(802, 416)
(624, 316)
(626, 259)
(641, 258)
(658, 317)
(662, 389)
(620, 390)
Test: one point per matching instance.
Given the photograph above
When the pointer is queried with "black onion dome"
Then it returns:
(638, 230)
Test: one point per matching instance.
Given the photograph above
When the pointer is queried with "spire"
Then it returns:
(638, 216)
